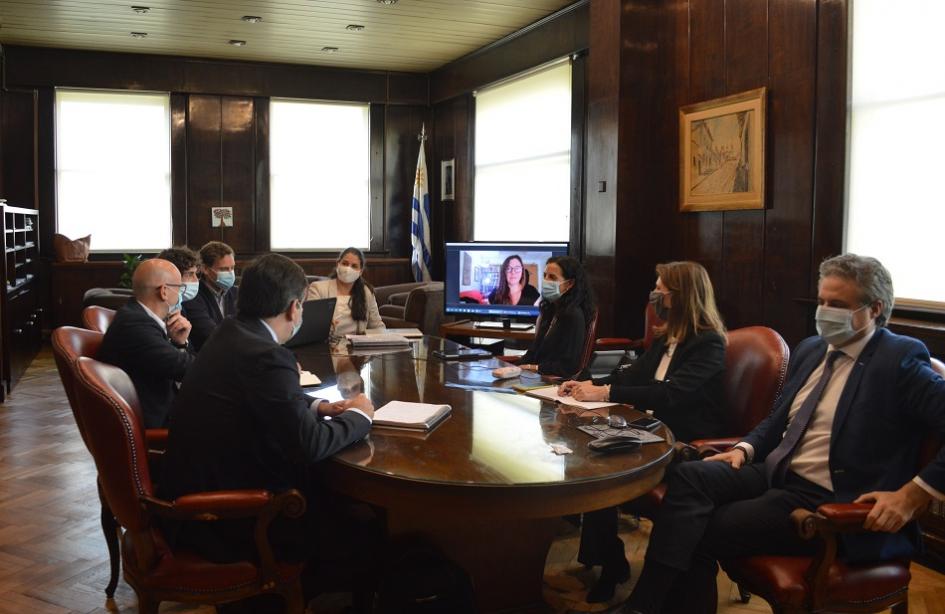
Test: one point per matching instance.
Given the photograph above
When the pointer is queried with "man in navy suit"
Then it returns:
(856, 404)
(217, 295)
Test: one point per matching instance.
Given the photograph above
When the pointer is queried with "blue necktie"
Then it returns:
(776, 463)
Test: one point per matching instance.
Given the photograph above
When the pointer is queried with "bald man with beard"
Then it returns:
(148, 339)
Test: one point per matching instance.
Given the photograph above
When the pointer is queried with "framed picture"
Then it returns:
(722, 153)
(447, 179)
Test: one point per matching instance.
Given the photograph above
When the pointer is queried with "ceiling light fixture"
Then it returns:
(139, 35)
(141, 10)
(387, 2)
(251, 18)
(354, 27)
(237, 43)
(329, 49)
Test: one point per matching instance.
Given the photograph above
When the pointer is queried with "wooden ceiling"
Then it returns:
(410, 35)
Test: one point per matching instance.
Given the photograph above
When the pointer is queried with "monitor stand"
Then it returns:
(505, 324)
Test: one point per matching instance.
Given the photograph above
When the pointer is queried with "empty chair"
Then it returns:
(97, 318)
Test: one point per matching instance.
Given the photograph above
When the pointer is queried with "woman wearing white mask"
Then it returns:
(566, 307)
(356, 309)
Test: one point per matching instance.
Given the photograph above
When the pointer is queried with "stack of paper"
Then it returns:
(410, 333)
(550, 393)
(379, 340)
(406, 415)
(307, 378)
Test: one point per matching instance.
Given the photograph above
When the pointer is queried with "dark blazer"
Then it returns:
(559, 342)
(204, 314)
(891, 401)
(137, 344)
(690, 397)
(241, 421)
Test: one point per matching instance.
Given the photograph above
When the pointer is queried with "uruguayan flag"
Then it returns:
(420, 222)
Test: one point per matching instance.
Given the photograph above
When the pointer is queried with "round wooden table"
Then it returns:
(484, 486)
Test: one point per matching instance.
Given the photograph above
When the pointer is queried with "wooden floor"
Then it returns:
(53, 558)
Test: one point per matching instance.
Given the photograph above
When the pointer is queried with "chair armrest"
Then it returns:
(512, 360)
(708, 447)
(156, 439)
(617, 343)
(831, 518)
(209, 506)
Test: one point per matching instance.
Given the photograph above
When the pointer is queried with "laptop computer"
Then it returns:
(316, 322)
(603, 362)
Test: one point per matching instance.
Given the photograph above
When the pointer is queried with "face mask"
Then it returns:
(835, 325)
(297, 327)
(550, 290)
(180, 299)
(190, 290)
(662, 311)
(347, 274)
(226, 279)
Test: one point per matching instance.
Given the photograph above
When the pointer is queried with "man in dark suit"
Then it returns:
(148, 339)
(217, 296)
(856, 404)
(241, 420)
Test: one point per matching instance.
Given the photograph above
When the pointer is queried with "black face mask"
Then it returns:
(656, 299)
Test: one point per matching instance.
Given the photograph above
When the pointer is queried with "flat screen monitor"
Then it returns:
(474, 273)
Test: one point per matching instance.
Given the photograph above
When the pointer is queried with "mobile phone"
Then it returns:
(646, 424)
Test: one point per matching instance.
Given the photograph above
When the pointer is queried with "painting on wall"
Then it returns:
(722, 153)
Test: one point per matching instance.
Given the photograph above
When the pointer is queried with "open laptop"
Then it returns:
(603, 362)
(316, 322)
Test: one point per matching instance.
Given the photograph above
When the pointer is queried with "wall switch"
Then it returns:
(601, 186)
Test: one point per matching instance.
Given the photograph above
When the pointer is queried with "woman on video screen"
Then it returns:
(513, 288)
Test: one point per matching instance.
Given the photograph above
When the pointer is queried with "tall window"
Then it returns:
(896, 207)
(320, 175)
(113, 169)
(523, 158)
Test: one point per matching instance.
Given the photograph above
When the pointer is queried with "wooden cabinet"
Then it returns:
(20, 308)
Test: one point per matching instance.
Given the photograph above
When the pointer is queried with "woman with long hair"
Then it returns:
(679, 379)
(514, 287)
(356, 308)
(566, 308)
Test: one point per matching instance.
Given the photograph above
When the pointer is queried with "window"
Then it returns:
(113, 169)
(523, 158)
(896, 207)
(320, 175)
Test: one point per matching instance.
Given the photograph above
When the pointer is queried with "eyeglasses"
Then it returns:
(515, 269)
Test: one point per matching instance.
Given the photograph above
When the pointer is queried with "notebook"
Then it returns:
(307, 378)
(410, 333)
(379, 340)
(406, 415)
(550, 393)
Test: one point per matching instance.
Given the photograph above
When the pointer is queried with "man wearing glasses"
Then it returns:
(148, 338)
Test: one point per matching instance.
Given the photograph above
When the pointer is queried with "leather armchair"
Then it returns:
(113, 298)
(412, 306)
(97, 318)
(108, 406)
(795, 584)
(650, 324)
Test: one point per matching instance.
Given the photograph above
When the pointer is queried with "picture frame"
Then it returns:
(722, 153)
(447, 179)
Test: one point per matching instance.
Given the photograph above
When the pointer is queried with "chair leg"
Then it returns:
(294, 601)
(901, 608)
(110, 529)
(147, 605)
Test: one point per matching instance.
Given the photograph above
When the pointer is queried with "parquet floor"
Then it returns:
(52, 554)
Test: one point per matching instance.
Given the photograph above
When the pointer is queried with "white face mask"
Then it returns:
(835, 324)
(347, 274)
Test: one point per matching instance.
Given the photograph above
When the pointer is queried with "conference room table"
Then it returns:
(484, 486)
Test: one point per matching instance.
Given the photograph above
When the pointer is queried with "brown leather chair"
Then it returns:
(97, 318)
(795, 584)
(650, 323)
(108, 407)
(419, 307)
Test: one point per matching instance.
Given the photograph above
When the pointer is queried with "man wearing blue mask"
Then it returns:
(857, 402)
(186, 261)
(148, 339)
(217, 296)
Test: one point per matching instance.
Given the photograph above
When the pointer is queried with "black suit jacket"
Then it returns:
(559, 342)
(241, 421)
(137, 344)
(890, 403)
(690, 397)
(204, 313)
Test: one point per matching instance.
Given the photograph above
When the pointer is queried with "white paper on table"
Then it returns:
(550, 393)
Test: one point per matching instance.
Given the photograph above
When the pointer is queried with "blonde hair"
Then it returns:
(693, 301)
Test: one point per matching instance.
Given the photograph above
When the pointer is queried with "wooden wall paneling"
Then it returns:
(603, 121)
(19, 120)
(46, 191)
(439, 145)
(557, 36)
(831, 136)
(746, 61)
(401, 149)
(452, 138)
(179, 169)
(378, 198)
(578, 128)
(238, 172)
(204, 134)
(702, 233)
(261, 110)
(792, 35)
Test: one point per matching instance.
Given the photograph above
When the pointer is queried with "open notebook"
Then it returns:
(550, 393)
(406, 415)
